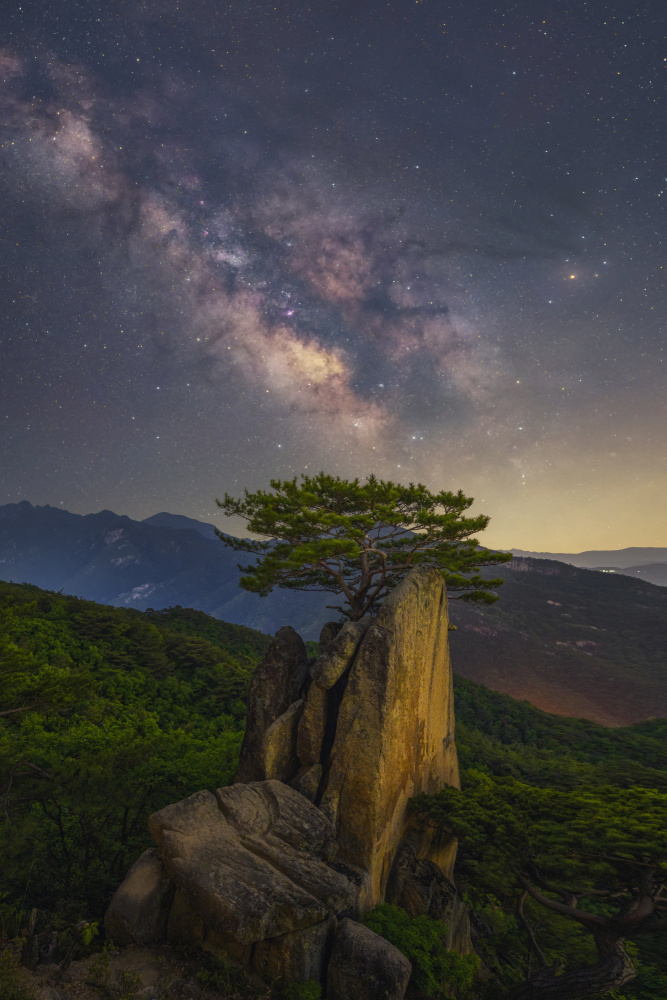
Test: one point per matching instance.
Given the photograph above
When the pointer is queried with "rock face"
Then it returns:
(277, 869)
(251, 860)
(276, 684)
(394, 734)
(338, 653)
(277, 756)
(299, 957)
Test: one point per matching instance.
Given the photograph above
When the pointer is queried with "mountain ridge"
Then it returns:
(571, 641)
(112, 559)
(179, 521)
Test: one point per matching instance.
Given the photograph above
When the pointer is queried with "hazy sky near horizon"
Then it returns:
(425, 239)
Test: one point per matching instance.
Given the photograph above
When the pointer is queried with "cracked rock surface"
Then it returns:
(251, 860)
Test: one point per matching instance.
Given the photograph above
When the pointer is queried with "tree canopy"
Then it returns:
(569, 805)
(106, 714)
(359, 539)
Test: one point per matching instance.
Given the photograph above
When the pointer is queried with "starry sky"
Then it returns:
(254, 239)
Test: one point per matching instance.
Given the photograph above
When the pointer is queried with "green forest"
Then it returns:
(108, 714)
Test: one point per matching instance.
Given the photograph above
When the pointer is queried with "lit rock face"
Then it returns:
(394, 731)
(337, 654)
(276, 755)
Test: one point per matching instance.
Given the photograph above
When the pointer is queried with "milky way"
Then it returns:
(420, 239)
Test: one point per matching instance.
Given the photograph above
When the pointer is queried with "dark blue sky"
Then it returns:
(421, 239)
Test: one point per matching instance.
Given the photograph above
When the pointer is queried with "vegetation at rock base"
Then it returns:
(575, 814)
(111, 714)
(359, 539)
(303, 991)
(217, 971)
(436, 972)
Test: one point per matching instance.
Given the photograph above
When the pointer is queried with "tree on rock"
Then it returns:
(596, 855)
(359, 539)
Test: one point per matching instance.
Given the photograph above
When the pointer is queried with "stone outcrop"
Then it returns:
(277, 683)
(338, 653)
(251, 860)
(277, 869)
(300, 956)
(312, 724)
(394, 726)
(363, 964)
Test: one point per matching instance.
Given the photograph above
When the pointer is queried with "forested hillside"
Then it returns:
(575, 806)
(109, 714)
(571, 641)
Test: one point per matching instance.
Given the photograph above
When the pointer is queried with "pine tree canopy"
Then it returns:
(359, 539)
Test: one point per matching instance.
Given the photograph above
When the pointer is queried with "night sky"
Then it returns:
(423, 239)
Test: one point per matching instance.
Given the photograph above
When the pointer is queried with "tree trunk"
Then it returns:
(613, 970)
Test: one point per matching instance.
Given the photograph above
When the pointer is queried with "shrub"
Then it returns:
(438, 974)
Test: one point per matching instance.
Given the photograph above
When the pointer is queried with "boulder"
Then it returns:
(140, 906)
(457, 918)
(184, 989)
(419, 886)
(39, 949)
(364, 966)
(277, 683)
(395, 726)
(184, 925)
(277, 756)
(251, 860)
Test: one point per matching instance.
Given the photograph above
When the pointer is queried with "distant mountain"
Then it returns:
(165, 520)
(571, 641)
(648, 563)
(654, 573)
(160, 562)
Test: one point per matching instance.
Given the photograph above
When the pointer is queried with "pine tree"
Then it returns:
(359, 539)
